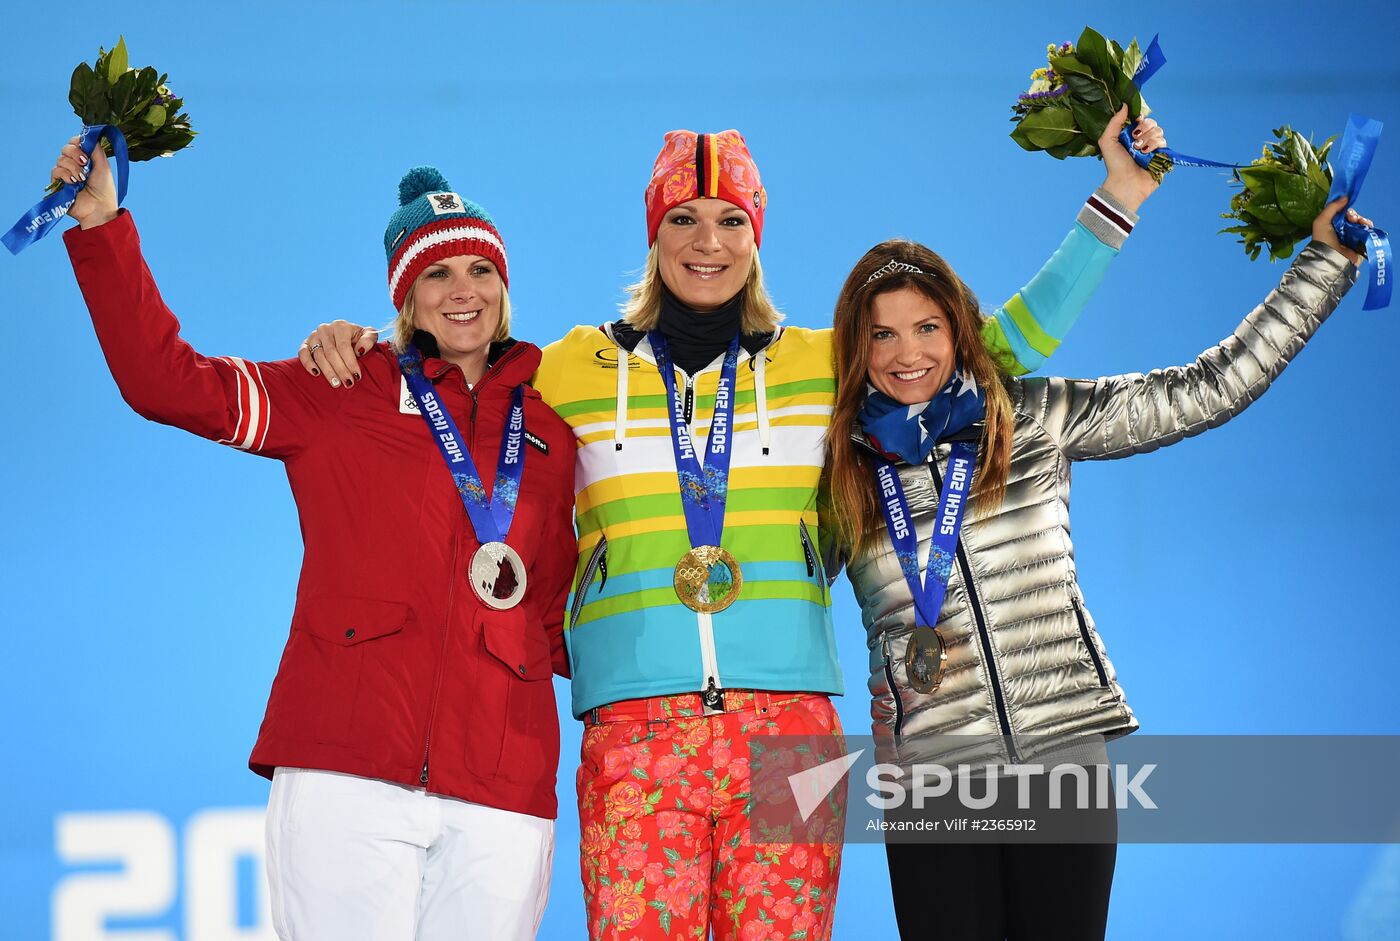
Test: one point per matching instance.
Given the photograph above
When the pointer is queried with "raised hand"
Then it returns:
(1323, 232)
(96, 203)
(1127, 182)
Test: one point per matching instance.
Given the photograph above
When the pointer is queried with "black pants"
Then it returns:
(1021, 891)
(1001, 891)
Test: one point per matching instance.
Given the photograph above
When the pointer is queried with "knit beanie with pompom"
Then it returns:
(433, 223)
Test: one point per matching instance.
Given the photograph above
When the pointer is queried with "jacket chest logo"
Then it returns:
(407, 404)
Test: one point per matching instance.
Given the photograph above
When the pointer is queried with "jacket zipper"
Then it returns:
(1089, 642)
(1003, 717)
(711, 690)
(709, 660)
(595, 563)
(451, 593)
(814, 561)
(807, 549)
(894, 693)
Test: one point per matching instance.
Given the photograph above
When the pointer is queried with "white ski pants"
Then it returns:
(358, 859)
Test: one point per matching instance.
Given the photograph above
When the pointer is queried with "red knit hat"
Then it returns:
(691, 166)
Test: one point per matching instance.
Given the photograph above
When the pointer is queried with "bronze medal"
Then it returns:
(708, 579)
(924, 659)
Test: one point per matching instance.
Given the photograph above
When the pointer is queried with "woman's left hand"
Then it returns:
(1323, 232)
(1127, 182)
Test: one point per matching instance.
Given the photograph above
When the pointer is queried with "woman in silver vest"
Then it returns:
(982, 650)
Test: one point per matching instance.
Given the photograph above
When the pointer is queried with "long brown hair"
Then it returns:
(849, 468)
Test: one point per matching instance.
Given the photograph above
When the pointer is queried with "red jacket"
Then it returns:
(393, 668)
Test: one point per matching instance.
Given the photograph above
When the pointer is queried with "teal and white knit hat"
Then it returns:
(433, 223)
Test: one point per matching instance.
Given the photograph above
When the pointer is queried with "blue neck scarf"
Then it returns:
(910, 431)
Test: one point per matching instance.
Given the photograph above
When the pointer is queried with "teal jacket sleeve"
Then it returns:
(1025, 331)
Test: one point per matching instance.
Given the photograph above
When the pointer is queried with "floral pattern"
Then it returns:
(665, 849)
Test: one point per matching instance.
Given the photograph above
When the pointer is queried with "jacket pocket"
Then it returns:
(1089, 644)
(323, 667)
(517, 643)
(608, 750)
(348, 622)
(812, 557)
(597, 566)
(514, 733)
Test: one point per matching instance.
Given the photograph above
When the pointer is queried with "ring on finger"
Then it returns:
(314, 347)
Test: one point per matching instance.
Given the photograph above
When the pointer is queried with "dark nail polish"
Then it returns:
(315, 372)
(349, 383)
(357, 377)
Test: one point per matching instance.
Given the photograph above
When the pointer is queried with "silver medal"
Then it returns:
(498, 575)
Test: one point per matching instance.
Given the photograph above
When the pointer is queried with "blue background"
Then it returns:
(1238, 578)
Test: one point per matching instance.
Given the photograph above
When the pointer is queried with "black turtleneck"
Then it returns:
(696, 337)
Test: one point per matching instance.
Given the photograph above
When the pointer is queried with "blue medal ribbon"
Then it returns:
(1152, 60)
(46, 213)
(704, 489)
(1350, 162)
(929, 590)
(491, 518)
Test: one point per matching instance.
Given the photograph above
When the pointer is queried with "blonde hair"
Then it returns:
(403, 328)
(853, 492)
(642, 309)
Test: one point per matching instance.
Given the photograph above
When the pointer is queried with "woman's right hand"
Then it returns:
(333, 351)
(96, 203)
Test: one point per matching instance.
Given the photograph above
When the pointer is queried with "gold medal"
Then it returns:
(708, 579)
(924, 659)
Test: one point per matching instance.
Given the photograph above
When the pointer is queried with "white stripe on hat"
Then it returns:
(416, 247)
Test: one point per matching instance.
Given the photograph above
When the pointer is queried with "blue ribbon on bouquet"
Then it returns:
(1350, 161)
(1152, 60)
(46, 213)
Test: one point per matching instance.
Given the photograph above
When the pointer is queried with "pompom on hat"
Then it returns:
(692, 166)
(433, 223)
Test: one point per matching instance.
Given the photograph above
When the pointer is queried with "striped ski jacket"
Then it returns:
(627, 634)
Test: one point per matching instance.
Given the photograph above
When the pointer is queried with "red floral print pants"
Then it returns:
(665, 849)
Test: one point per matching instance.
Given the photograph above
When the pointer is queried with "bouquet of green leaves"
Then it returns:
(1072, 99)
(137, 101)
(1281, 193)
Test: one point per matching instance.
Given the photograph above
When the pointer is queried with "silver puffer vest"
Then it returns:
(1026, 668)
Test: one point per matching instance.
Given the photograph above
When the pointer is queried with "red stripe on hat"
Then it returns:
(437, 226)
(458, 237)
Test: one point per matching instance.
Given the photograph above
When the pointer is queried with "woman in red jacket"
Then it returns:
(411, 733)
